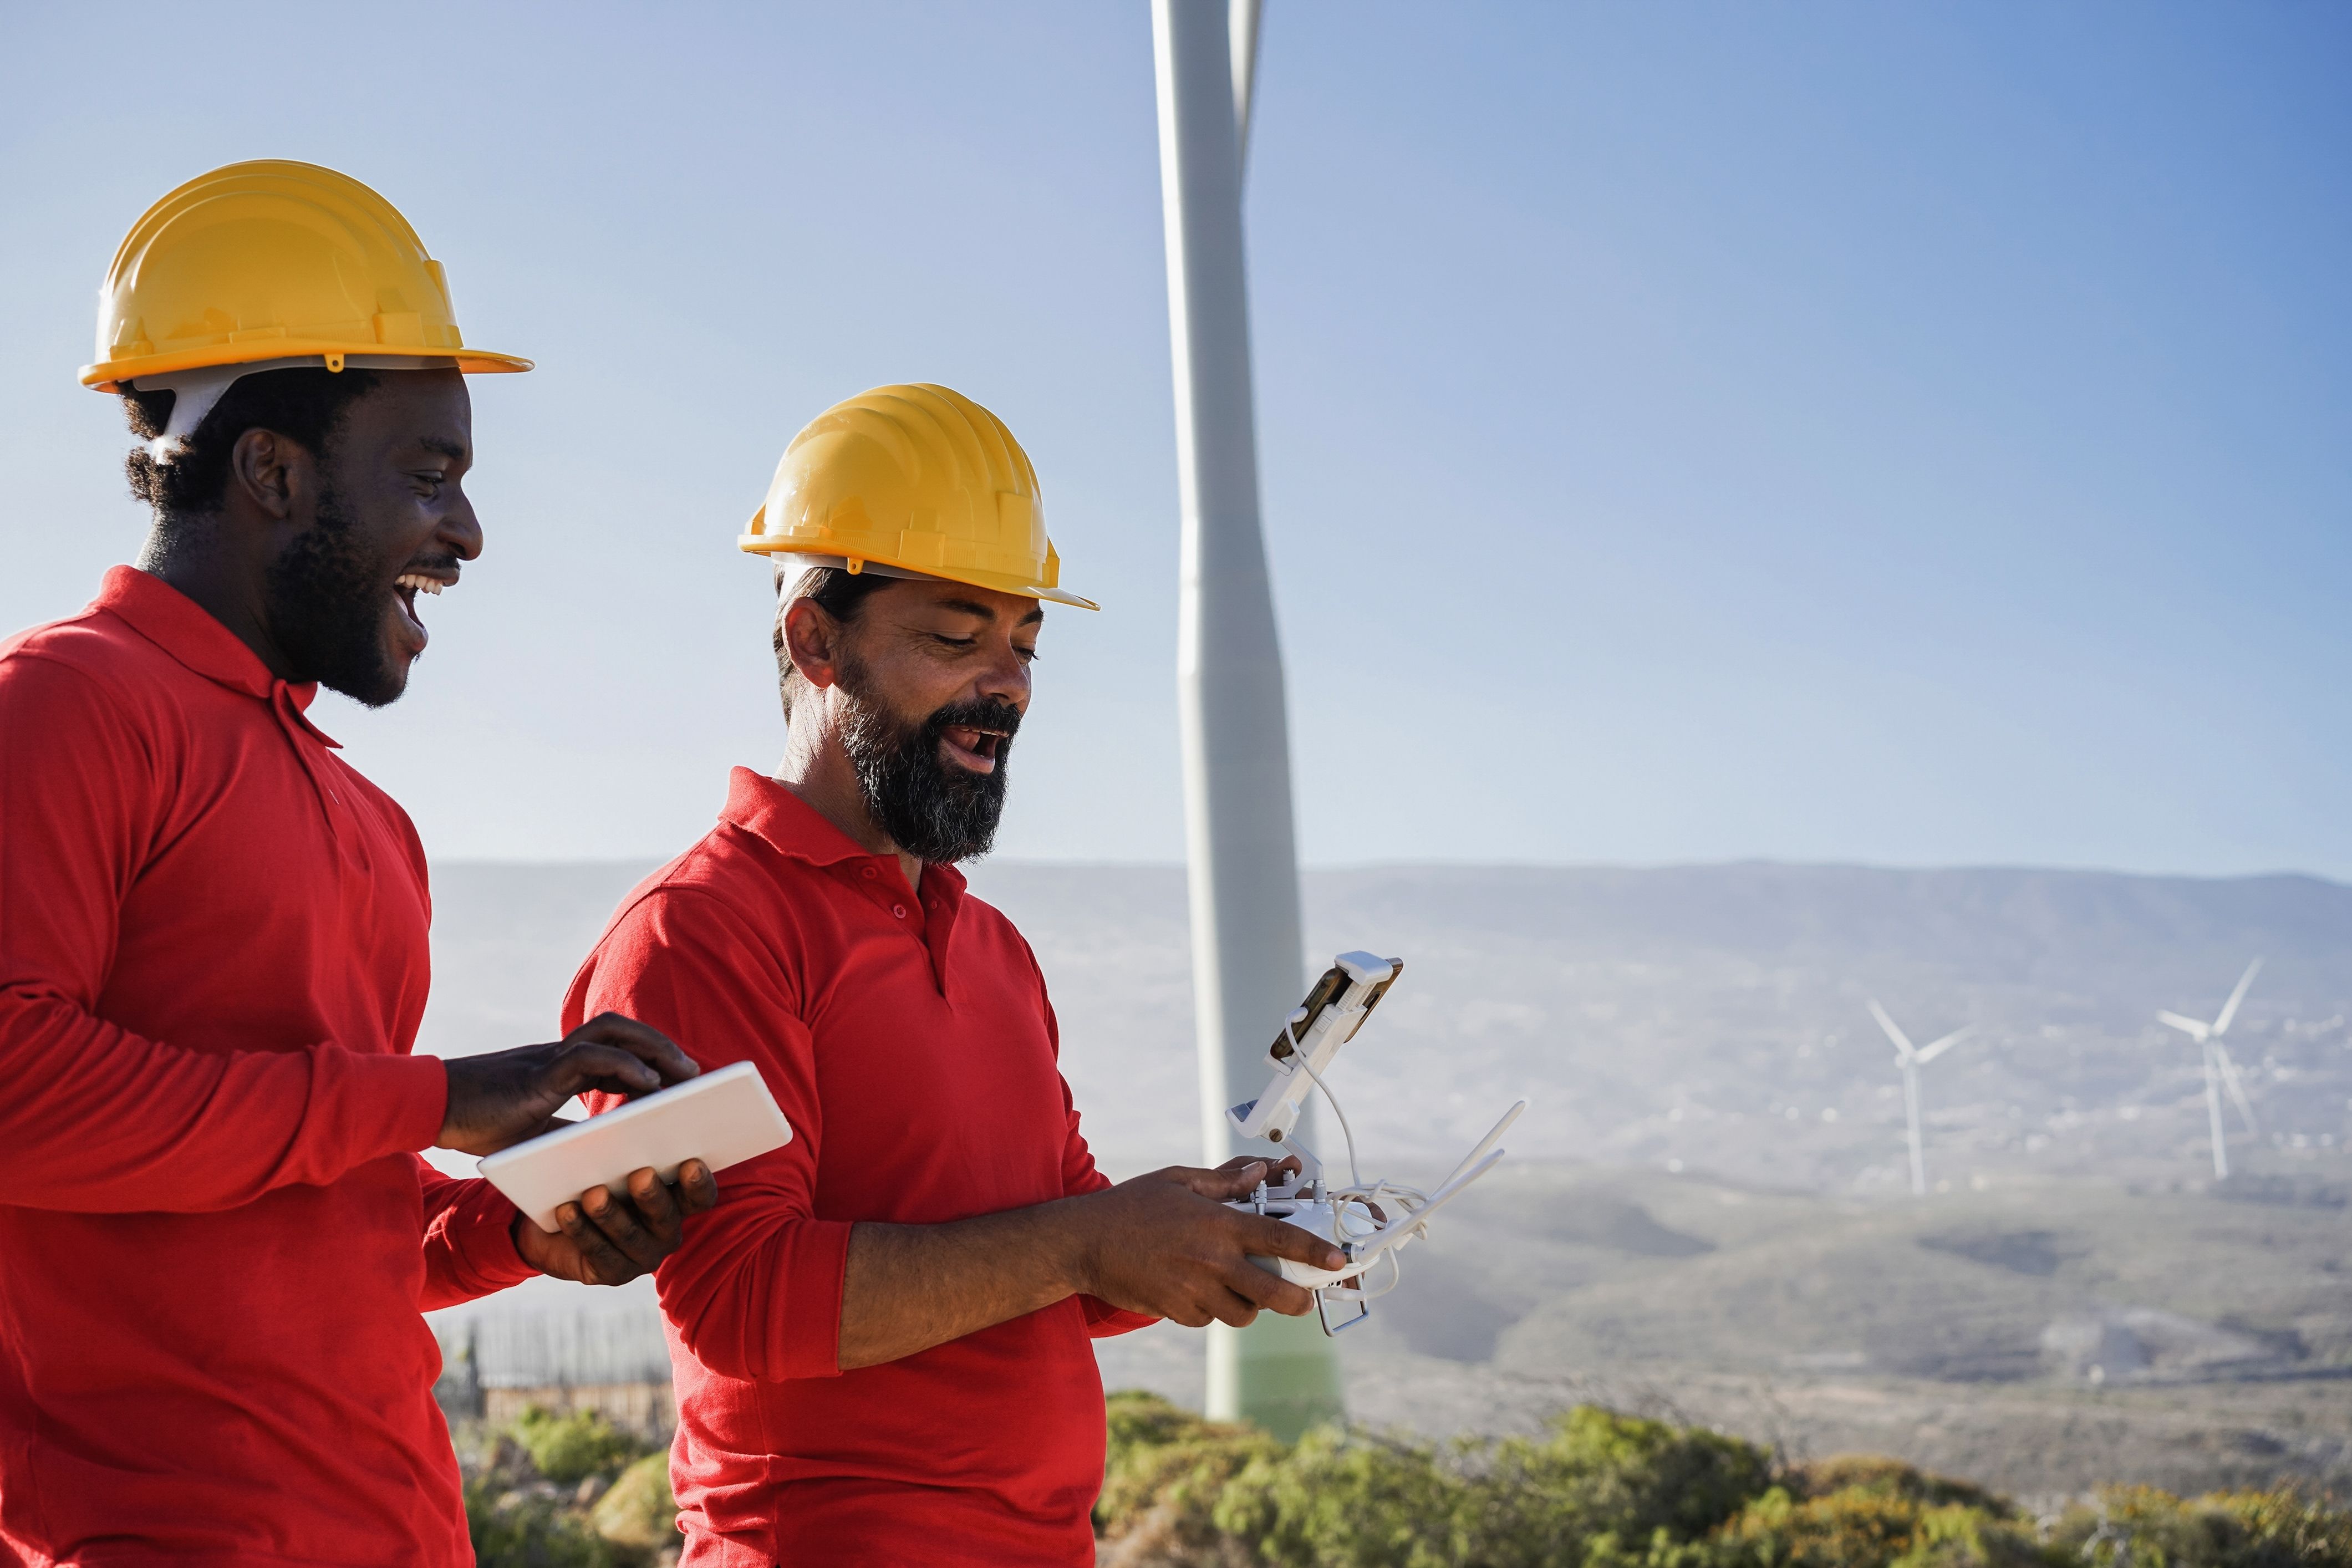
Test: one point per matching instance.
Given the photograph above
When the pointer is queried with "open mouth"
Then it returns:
(973, 747)
(404, 590)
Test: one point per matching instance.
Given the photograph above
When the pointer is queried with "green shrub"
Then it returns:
(1604, 1491)
(1890, 1520)
(1605, 1488)
(512, 1528)
(1345, 1499)
(569, 1448)
(2140, 1527)
(637, 1509)
(1892, 1478)
(1164, 1472)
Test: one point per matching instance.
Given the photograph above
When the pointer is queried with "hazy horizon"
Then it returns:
(1438, 863)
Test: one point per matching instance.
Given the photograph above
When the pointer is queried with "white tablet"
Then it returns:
(721, 1118)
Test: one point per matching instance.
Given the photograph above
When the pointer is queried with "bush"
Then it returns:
(1605, 1487)
(1871, 1525)
(567, 1449)
(517, 1528)
(1346, 1500)
(2140, 1527)
(1604, 1491)
(1165, 1470)
(637, 1510)
(1890, 1478)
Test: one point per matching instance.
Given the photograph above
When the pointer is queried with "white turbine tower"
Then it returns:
(1248, 947)
(2220, 1070)
(1911, 1059)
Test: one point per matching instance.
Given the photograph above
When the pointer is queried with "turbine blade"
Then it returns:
(2189, 1026)
(1928, 1053)
(2237, 1090)
(1903, 1046)
(2230, 1008)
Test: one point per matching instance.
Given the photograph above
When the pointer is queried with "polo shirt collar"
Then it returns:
(767, 810)
(187, 631)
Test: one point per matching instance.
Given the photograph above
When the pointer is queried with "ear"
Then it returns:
(813, 641)
(262, 467)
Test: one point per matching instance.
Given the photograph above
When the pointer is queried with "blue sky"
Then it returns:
(1917, 434)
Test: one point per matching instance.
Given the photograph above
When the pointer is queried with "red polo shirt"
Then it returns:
(910, 1044)
(214, 1239)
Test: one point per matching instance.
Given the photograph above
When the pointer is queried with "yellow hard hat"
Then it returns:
(275, 261)
(913, 480)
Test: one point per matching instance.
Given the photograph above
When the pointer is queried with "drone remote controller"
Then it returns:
(1371, 1222)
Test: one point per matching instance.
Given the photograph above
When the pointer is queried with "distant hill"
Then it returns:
(1709, 1015)
(2077, 1307)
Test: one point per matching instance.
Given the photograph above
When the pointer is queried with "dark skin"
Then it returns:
(398, 463)
(1163, 1244)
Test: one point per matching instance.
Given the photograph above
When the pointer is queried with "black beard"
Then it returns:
(326, 610)
(932, 809)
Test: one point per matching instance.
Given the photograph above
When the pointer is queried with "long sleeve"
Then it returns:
(98, 1119)
(469, 1250)
(755, 1290)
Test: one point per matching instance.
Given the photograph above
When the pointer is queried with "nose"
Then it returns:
(460, 529)
(1006, 679)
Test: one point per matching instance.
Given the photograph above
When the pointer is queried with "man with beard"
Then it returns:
(881, 1341)
(215, 1235)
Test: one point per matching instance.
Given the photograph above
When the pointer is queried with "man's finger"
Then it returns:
(697, 1189)
(1273, 1238)
(1233, 1310)
(1288, 1165)
(618, 1222)
(602, 1262)
(585, 1066)
(1226, 1183)
(1262, 1288)
(656, 1205)
(643, 1041)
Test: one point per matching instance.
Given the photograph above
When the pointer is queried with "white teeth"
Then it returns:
(422, 584)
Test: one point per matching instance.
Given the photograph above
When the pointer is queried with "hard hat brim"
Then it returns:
(765, 544)
(109, 375)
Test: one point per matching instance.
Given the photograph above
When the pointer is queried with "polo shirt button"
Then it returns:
(869, 873)
(899, 910)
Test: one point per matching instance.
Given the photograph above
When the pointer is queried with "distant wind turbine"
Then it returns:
(2220, 1070)
(1911, 1059)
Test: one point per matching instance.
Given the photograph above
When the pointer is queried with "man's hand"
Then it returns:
(505, 1096)
(607, 1240)
(1165, 1245)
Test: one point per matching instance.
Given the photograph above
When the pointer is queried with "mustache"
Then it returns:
(980, 713)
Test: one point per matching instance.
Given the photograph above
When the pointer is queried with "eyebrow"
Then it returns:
(974, 607)
(441, 446)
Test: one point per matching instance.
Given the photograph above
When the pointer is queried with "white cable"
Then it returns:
(1346, 1131)
(1393, 1214)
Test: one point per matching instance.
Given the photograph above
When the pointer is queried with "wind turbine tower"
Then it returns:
(1911, 1059)
(1248, 945)
(2220, 1072)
